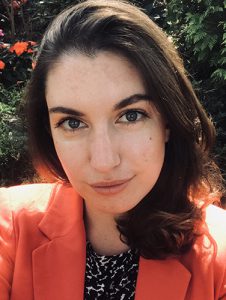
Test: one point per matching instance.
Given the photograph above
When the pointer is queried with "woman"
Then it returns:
(114, 120)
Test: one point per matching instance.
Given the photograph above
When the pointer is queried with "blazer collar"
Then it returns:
(59, 263)
(64, 212)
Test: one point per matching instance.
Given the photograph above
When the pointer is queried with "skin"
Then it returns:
(104, 144)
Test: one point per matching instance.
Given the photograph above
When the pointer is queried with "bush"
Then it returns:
(199, 30)
(16, 62)
(15, 166)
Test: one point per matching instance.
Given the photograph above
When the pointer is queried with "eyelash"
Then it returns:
(62, 121)
(143, 114)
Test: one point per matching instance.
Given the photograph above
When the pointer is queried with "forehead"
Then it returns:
(104, 78)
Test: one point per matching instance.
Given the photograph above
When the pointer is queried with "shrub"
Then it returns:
(199, 30)
(16, 62)
(15, 166)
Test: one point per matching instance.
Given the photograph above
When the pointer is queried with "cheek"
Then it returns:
(70, 156)
(145, 149)
(153, 161)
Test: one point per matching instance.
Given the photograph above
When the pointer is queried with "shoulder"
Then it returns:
(206, 260)
(216, 229)
(28, 196)
(215, 216)
(209, 248)
(13, 201)
(213, 248)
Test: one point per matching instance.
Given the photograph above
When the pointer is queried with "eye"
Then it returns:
(133, 116)
(70, 124)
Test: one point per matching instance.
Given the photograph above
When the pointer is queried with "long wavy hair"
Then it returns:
(166, 221)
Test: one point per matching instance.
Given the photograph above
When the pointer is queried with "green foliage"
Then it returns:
(199, 30)
(10, 125)
(156, 9)
(13, 152)
(219, 74)
(205, 30)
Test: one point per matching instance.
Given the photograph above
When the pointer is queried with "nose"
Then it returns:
(103, 152)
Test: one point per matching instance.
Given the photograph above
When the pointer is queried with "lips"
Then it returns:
(110, 187)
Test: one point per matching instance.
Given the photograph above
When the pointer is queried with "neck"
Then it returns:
(103, 234)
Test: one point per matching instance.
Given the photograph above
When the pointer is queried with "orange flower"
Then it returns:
(19, 48)
(2, 65)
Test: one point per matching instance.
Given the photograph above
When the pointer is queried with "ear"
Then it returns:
(167, 134)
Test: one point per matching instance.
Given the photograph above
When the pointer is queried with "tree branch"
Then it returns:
(10, 12)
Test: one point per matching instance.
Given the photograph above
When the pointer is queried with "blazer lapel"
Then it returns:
(161, 280)
(59, 263)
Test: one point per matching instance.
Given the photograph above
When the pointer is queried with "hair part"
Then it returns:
(164, 223)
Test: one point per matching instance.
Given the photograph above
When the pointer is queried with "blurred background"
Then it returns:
(197, 27)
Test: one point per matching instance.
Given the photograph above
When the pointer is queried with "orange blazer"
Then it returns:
(43, 251)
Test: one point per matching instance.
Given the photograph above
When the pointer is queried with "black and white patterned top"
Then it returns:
(110, 277)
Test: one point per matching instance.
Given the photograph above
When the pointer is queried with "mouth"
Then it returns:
(110, 188)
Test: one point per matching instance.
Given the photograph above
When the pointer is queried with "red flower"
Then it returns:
(2, 65)
(19, 48)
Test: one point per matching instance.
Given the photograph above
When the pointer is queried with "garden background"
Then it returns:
(197, 27)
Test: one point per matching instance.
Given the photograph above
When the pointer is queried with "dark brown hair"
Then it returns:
(165, 222)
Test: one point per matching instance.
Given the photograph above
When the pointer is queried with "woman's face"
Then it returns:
(108, 135)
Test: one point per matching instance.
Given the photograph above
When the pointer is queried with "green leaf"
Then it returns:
(201, 56)
(219, 75)
(222, 61)
(223, 51)
(199, 36)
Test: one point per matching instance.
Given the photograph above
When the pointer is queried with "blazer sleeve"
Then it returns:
(223, 288)
(222, 293)
(7, 244)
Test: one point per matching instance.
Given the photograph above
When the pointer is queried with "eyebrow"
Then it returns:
(131, 100)
(123, 103)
